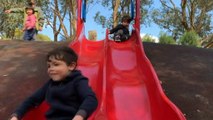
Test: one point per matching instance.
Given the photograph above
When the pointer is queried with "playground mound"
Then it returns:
(185, 74)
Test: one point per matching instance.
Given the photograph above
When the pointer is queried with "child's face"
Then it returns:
(29, 11)
(125, 23)
(58, 69)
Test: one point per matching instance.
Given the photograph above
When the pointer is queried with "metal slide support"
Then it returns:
(84, 10)
(132, 10)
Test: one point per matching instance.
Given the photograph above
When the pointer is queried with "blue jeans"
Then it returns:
(29, 34)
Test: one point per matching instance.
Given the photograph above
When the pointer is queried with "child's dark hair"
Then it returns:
(126, 18)
(28, 7)
(64, 53)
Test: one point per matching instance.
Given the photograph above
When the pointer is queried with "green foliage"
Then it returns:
(168, 20)
(166, 39)
(148, 38)
(3, 37)
(207, 42)
(124, 8)
(42, 37)
(100, 19)
(9, 22)
(180, 16)
(190, 38)
(18, 33)
(145, 12)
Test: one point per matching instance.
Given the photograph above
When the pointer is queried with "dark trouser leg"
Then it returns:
(32, 33)
(29, 34)
(26, 36)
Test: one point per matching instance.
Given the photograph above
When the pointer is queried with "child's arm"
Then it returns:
(88, 97)
(78, 117)
(118, 27)
(15, 10)
(24, 28)
(32, 101)
(14, 118)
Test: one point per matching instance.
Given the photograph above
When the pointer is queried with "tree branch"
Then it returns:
(184, 18)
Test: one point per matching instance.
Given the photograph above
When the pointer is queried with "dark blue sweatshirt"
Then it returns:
(66, 98)
(120, 27)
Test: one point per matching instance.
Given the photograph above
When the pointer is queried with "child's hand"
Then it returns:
(40, 28)
(78, 117)
(14, 118)
(28, 28)
(7, 11)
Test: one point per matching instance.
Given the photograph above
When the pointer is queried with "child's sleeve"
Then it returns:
(88, 97)
(17, 10)
(118, 27)
(32, 101)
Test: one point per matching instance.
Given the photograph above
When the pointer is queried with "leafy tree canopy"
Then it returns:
(177, 17)
(166, 39)
(118, 9)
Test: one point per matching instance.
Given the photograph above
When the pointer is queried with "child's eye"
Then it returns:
(55, 64)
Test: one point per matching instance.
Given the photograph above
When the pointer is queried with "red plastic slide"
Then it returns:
(124, 81)
(122, 77)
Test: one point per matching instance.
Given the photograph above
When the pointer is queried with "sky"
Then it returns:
(152, 29)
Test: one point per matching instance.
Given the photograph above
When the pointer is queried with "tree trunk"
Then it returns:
(73, 18)
(115, 12)
(54, 24)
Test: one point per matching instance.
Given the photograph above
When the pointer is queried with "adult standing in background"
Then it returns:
(37, 11)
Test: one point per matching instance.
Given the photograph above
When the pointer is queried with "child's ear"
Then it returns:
(72, 66)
